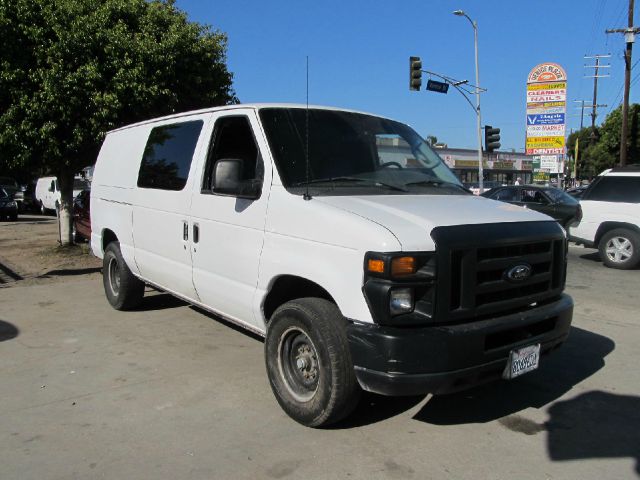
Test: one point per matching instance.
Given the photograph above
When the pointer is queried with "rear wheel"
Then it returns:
(43, 211)
(309, 363)
(123, 289)
(620, 248)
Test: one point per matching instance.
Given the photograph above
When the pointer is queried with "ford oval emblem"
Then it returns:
(519, 272)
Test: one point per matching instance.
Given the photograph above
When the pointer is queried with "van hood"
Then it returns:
(412, 217)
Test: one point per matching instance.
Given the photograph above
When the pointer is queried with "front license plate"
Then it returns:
(522, 360)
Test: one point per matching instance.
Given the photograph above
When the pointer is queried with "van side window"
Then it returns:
(168, 154)
(233, 138)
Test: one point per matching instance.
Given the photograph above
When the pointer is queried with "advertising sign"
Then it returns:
(546, 100)
(544, 130)
(545, 119)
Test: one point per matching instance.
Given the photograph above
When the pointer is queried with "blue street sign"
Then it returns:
(546, 119)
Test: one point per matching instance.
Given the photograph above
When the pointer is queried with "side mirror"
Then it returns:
(227, 180)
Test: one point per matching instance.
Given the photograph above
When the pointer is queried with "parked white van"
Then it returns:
(339, 236)
(48, 194)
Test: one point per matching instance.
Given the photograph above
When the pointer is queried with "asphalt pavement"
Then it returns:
(171, 392)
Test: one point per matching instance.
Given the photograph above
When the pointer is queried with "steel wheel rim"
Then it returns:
(298, 364)
(113, 276)
(619, 249)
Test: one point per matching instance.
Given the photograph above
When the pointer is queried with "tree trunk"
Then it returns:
(65, 210)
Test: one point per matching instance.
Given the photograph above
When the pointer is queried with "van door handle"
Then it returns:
(185, 230)
(196, 233)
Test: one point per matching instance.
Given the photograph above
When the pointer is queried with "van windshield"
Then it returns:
(352, 153)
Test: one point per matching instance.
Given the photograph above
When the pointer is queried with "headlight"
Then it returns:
(400, 287)
(12, 203)
(400, 301)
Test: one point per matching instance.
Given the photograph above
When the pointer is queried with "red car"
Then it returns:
(81, 228)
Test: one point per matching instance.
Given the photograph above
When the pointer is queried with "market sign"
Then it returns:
(536, 131)
(546, 102)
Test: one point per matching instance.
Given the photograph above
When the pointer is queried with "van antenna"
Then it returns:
(306, 195)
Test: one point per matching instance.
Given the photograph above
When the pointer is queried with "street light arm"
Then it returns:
(461, 13)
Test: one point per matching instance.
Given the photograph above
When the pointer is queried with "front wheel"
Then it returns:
(123, 289)
(309, 363)
(620, 248)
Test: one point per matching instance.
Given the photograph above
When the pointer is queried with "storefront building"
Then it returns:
(501, 167)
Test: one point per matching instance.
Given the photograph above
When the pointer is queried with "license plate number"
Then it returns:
(522, 360)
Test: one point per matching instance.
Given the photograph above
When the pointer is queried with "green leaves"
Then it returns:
(600, 150)
(74, 69)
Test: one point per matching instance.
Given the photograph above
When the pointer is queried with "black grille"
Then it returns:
(473, 261)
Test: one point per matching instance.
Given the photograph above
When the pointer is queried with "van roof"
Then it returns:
(255, 106)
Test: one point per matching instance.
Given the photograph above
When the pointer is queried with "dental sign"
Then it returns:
(546, 110)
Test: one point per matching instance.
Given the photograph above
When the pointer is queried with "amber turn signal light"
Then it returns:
(402, 266)
(375, 266)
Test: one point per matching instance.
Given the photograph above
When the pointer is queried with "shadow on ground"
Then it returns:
(595, 425)
(160, 301)
(374, 408)
(593, 256)
(70, 272)
(8, 331)
(581, 356)
(33, 219)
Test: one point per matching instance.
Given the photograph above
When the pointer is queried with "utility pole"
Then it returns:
(629, 38)
(594, 105)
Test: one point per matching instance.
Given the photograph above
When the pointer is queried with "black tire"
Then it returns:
(620, 248)
(123, 289)
(14, 217)
(309, 362)
(43, 211)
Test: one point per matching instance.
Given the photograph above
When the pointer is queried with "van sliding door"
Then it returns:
(161, 229)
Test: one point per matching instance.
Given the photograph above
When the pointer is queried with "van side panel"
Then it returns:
(112, 190)
(300, 239)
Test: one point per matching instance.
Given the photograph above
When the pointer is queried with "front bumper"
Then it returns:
(447, 358)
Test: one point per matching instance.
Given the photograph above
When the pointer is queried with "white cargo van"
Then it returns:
(48, 194)
(339, 236)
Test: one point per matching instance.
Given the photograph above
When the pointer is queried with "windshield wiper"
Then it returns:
(436, 183)
(351, 179)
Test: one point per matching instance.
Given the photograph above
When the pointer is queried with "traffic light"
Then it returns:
(491, 138)
(415, 73)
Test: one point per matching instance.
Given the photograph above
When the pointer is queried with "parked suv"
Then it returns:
(611, 217)
(341, 237)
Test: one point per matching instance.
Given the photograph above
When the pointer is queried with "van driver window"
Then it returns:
(233, 138)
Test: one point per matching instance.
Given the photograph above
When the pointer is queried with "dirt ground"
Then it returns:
(30, 252)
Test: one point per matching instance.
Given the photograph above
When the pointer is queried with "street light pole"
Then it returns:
(474, 24)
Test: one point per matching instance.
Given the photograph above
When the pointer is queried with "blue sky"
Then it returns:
(359, 50)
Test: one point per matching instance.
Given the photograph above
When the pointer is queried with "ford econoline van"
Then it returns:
(339, 236)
